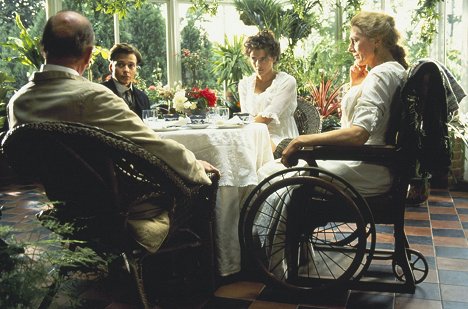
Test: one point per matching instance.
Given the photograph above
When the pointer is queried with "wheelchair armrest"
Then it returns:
(369, 153)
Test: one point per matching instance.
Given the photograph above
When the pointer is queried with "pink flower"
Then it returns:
(186, 52)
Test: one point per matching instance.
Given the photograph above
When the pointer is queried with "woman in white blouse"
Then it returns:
(379, 69)
(269, 96)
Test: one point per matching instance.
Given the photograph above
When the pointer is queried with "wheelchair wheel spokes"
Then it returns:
(418, 265)
(298, 232)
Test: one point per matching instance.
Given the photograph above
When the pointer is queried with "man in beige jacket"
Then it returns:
(58, 92)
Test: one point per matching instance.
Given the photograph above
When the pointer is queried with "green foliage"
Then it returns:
(26, 48)
(458, 126)
(28, 267)
(230, 64)
(328, 57)
(29, 9)
(294, 23)
(425, 21)
(197, 62)
(5, 89)
(204, 6)
(265, 14)
(119, 7)
(146, 30)
(332, 122)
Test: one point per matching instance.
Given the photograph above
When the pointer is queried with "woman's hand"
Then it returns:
(292, 147)
(357, 74)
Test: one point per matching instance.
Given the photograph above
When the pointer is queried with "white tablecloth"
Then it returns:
(238, 153)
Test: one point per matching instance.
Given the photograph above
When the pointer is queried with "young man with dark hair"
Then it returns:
(124, 60)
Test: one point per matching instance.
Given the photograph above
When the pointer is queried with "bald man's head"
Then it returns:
(67, 35)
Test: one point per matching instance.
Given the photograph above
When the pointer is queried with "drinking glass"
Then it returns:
(223, 112)
(212, 115)
(150, 117)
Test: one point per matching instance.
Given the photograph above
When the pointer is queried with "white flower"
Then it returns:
(179, 100)
(187, 104)
(193, 105)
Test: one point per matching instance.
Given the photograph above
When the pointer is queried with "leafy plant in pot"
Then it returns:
(30, 268)
(326, 97)
(230, 65)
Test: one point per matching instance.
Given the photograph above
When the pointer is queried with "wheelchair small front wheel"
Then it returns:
(418, 265)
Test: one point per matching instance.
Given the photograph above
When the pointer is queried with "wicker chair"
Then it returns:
(96, 176)
(308, 121)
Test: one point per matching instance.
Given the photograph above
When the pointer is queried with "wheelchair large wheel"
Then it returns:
(305, 233)
(346, 237)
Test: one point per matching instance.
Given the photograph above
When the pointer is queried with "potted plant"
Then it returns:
(230, 65)
(326, 97)
(29, 268)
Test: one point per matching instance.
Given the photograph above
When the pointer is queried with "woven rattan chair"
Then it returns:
(308, 121)
(96, 176)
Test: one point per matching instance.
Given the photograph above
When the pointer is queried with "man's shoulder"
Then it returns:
(139, 92)
(108, 83)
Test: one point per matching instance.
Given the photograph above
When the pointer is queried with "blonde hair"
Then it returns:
(377, 24)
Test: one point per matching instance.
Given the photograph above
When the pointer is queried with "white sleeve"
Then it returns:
(242, 87)
(375, 99)
(281, 98)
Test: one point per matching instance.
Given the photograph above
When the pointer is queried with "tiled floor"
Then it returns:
(438, 229)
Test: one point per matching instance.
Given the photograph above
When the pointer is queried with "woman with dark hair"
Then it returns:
(269, 96)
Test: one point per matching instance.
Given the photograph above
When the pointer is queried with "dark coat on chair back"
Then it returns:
(141, 99)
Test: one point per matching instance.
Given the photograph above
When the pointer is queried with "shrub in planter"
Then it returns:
(28, 268)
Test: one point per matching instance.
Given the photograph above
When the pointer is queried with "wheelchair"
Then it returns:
(305, 229)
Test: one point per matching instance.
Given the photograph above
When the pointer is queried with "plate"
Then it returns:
(229, 126)
(164, 129)
(198, 125)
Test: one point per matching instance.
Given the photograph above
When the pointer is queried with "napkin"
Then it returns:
(233, 121)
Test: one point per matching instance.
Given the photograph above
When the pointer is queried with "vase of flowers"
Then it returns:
(194, 102)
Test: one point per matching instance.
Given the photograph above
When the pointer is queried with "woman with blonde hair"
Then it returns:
(379, 69)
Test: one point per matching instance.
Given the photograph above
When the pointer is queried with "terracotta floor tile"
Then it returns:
(385, 238)
(459, 194)
(435, 198)
(440, 224)
(461, 203)
(454, 293)
(450, 241)
(415, 303)
(426, 250)
(417, 215)
(259, 304)
(242, 289)
(417, 231)
(442, 210)
(451, 264)
(432, 276)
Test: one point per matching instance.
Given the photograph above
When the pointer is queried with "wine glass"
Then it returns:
(223, 112)
(150, 117)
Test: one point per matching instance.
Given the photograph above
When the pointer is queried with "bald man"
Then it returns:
(58, 92)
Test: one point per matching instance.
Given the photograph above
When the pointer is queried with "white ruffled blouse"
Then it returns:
(278, 102)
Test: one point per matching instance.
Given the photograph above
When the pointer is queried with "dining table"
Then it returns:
(238, 151)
